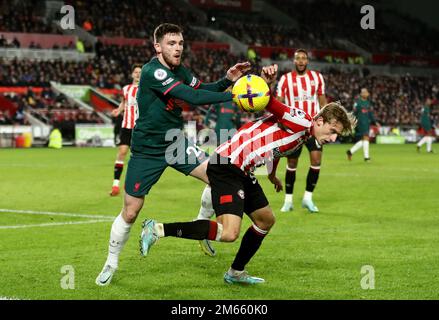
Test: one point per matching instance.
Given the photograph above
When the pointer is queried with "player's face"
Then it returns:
(326, 132)
(301, 62)
(136, 75)
(364, 94)
(171, 48)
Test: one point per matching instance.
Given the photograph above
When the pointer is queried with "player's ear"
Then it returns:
(157, 47)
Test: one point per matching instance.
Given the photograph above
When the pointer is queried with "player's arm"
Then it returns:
(116, 112)
(273, 178)
(290, 117)
(321, 94)
(233, 74)
(166, 83)
(199, 96)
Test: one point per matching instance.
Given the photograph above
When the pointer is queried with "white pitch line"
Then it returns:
(51, 224)
(8, 298)
(64, 214)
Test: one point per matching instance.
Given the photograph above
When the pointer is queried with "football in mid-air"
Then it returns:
(251, 93)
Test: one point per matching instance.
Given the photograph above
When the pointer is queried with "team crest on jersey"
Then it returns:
(299, 113)
(160, 74)
(312, 82)
(241, 194)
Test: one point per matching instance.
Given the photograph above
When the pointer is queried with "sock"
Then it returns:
(422, 141)
(307, 196)
(197, 230)
(251, 241)
(290, 178)
(120, 232)
(312, 177)
(356, 146)
(289, 198)
(118, 168)
(206, 209)
(366, 149)
(429, 143)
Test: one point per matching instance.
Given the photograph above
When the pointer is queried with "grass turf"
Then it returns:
(383, 214)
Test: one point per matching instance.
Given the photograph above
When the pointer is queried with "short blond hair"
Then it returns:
(335, 111)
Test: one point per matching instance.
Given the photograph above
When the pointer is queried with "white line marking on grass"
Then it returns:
(52, 224)
(9, 298)
(80, 215)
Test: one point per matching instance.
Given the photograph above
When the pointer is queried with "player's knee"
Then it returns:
(229, 235)
(267, 222)
(292, 163)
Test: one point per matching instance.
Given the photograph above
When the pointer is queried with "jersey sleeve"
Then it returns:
(189, 78)
(292, 118)
(321, 87)
(125, 92)
(161, 80)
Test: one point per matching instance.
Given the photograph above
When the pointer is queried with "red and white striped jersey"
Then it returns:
(301, 91)
(268, 138)
(131, 112)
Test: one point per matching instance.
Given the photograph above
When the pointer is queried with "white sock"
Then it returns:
(422, 141)
(288, 198)
(307, 196)
(158, 227)
(206, 210)
(234, 273)
(357, 146)
(429, 142)
(115, 183)
(366, 149)
(120, 232)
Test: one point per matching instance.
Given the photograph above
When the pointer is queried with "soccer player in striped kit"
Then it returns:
(303, 89)
(130, 113)
(235, 189)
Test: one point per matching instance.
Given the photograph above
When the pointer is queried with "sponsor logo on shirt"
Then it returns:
(165, 83)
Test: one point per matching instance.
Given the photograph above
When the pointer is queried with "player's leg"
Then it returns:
(194, 163)
(430, 140)
(290, 179)
(315, 159)
(124, 143)
(357, 146)
(142, 174)
(366, 148)
(256, 204)
(118, 169)
(421, 143)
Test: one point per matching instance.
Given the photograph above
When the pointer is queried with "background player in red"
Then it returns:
(303, 89)
(130, 113)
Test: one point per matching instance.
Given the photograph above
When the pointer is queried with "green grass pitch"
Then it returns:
(383, 214)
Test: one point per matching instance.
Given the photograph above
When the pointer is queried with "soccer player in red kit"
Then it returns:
(303, 89)
(130, 113)
(236, 190)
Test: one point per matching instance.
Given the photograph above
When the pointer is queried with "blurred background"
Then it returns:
(71, 79)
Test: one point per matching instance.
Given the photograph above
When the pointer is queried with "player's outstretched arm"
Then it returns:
(292, 118)
(199, 96)
(233, 74)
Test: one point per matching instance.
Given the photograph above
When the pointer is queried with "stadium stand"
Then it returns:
(122, 36)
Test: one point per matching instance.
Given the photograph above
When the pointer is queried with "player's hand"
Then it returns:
(115, 112)
(277, 183)
(238, 70)
(269, 73)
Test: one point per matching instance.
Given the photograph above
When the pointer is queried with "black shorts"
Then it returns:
(310, 144)
(124, 137)
(233, 191)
